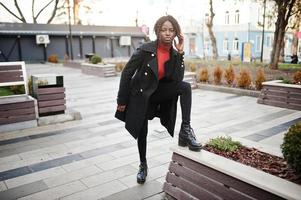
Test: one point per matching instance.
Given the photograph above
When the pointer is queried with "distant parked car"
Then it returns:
(287, 59)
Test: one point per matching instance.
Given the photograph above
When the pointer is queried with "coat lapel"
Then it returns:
(151, 48)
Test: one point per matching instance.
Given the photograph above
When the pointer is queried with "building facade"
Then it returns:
(36, 42)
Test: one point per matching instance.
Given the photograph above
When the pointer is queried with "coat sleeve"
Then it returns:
(179, 67)
(125, 81)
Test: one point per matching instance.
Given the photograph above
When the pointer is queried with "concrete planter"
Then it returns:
(204, 175)
(102, 70)
(276, 93)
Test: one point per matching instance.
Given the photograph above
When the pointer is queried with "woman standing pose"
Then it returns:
(150, 85)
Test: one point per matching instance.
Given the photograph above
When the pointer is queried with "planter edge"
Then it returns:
(268, 182)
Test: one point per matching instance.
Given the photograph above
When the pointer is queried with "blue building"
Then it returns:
(234, 25)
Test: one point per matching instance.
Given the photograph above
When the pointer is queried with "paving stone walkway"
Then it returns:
(95, 158)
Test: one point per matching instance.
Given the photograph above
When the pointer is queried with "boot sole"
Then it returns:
(140, 181)
(194, 148)
(183, 143)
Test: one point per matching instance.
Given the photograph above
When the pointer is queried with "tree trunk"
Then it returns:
(211, 34)
(284, 13)
(282, 53)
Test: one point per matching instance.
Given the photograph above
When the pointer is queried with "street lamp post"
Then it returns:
(262, 39)
(70, 31)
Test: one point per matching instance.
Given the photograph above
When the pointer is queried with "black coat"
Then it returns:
(139, 80)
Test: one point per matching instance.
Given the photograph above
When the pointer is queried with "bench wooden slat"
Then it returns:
(15, 119)
(282, 99)
(206, 183)
(11, 76)
(10, 67)
(16, 112)
(14, 101)
(230, 182)
(176, 192)
(280, 104)
(52, 109)
(50, 97)
(54, 90)
(16, 105)
(51, 103)
(277, 89)
(190, 188)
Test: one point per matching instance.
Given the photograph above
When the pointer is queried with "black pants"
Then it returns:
(166, 91)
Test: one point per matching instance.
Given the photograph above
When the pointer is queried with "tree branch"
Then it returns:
(20, 12)
(36, 17)
(32, 12)
(53, 12)
(22, 20)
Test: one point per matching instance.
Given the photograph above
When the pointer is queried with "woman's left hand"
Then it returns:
(180, 45)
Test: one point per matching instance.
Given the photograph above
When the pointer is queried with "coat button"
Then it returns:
(145, 73)
(141, 90)
(182, 65)
(148, 65)
(153, 55)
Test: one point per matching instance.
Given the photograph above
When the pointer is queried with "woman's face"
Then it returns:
(166, 33)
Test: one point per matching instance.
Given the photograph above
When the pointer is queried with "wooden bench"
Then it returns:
(51, 96)
(17, 107)
(277, 93)
(204, 175)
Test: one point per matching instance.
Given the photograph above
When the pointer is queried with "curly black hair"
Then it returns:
(163, 19)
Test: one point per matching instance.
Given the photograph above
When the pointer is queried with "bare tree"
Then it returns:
(20, 15)
(209, 24)
(284, 12)
(296, 26)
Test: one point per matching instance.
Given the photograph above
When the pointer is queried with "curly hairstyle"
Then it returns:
(163, 19)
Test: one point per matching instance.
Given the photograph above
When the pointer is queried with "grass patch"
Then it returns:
(288, 66)
(5, 91)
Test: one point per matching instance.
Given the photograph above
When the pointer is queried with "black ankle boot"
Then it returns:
(142, 173)
(188, 138)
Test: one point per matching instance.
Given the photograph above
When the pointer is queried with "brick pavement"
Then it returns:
(95, 158)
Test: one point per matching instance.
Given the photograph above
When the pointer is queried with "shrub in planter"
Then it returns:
(260, 78)
(229, 75)
(217, 73)
(204, 75)
(17, 89)
(244, 79)
(192, 67)
(291, 147)
(96, 59)
(119, 66)
(224, 144)
(297, 77)
(53, 58)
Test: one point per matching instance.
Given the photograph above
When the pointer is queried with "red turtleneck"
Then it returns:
(162, 56)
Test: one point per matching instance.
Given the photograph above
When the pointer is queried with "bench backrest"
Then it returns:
(13, 74)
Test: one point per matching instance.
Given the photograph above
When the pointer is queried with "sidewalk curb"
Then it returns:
(238, 91)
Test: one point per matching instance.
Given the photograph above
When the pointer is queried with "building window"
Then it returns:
(192, 46)
(237, 17)
(226, 45)
(258, 43)
(227, 17)
(269, 40)
(235, 44)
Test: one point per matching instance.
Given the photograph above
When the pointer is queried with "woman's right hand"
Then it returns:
(121, 108)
